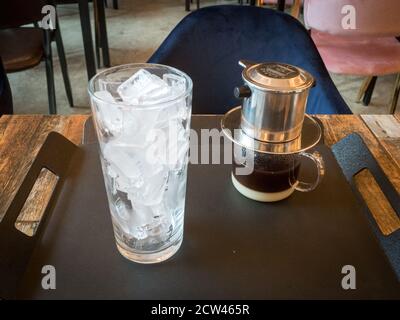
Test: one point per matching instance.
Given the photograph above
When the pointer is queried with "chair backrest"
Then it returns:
(15, 13)
(290, 2)
(371, 17)
(208, 43)
(6, 106)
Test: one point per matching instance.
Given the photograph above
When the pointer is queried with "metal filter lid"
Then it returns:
(274, 76)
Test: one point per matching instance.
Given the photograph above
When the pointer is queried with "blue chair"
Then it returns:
(6, 106)
(208, 43)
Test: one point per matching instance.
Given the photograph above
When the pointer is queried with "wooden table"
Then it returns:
(21, 136)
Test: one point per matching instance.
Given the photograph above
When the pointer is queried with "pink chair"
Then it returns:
(370, 49)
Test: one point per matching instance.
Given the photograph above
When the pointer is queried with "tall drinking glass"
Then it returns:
(142, 118)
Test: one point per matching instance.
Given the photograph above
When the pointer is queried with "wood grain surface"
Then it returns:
(21, 136)
(337, 127)
(20, 140)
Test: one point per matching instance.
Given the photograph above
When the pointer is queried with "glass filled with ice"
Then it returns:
(142, 118)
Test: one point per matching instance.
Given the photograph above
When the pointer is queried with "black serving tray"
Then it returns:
(353, 156)
(233, 248)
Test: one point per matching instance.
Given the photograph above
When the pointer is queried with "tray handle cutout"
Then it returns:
(354, 157)
(17, 247)
(37, 202)
(377, 202)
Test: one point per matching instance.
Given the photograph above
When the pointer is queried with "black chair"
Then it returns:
(6, 106)
(100, 31)
(114, 2)
(23, 48)
(208, 43)
(188, 2)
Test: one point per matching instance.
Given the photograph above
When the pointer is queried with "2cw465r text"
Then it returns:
(207, 309)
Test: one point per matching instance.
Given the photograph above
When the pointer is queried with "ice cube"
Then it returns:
(110, 86)
(121, 209)
(178, 145)
(169, 145)
(141, 216)
(175, 194)
(105, 96)
(121, 161)
(136, 126)
(112, 175)
(134, 218)
(156, 152)
(174, 110)
(175, 82)
(142, 86)
(130, 90)
(140, 233)
(158, 94)
(120, 215)
(152, 190)
(108, 114)
(163, 214)
(125, 168)
(150, 221)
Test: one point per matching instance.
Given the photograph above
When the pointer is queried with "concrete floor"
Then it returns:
(135, 31)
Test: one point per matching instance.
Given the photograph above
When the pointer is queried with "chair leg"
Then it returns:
(63, 63)
(198, 4)
(87, 38)
(363, 88)
(281, 5)
(6, 101)
(103, 38)
(97, 38)
(395, 97)
(369, 91)
(49, 73)
(187, 5)
(115, 4)
(105, 3)
(296, 9)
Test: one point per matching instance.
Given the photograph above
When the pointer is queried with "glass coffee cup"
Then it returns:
(272, 177)
(269, 171)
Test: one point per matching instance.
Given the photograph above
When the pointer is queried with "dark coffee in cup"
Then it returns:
(272, 178)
